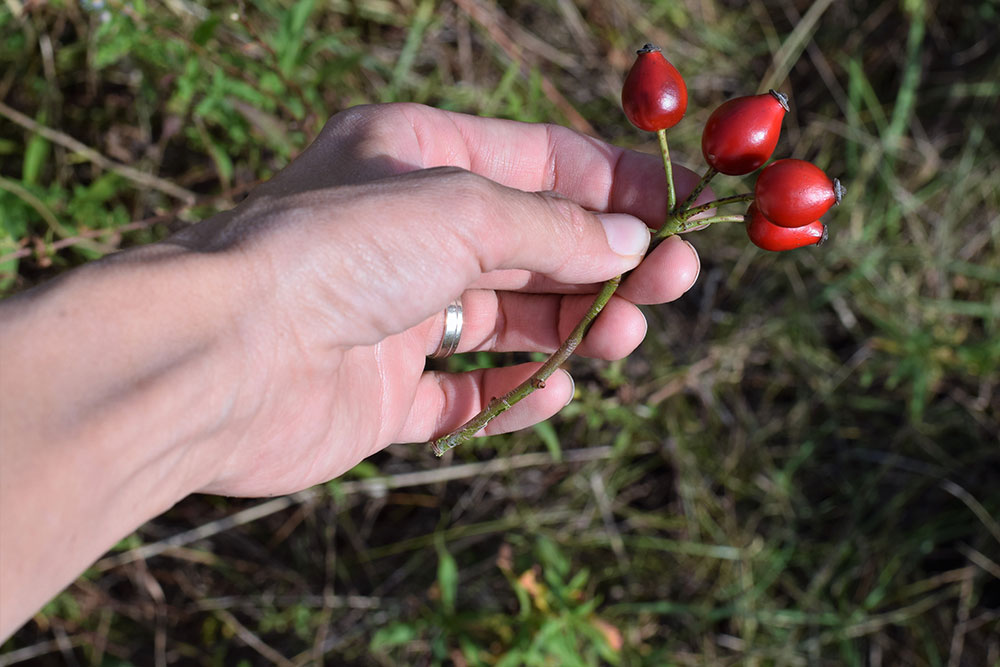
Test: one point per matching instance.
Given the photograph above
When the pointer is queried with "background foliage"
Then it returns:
(799, 466)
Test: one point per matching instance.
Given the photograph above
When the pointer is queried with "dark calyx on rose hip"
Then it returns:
(654, 95)
(768, 236)
(742, 133)
(794, 192)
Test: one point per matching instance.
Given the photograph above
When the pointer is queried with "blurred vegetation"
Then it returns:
(799, 466)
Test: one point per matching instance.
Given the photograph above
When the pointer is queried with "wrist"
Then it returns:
(119, 380)
(184, 358)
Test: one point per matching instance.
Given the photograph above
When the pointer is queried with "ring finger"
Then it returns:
(519, 322)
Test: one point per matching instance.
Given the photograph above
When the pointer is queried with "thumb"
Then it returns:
(541, 232)
(419, 240)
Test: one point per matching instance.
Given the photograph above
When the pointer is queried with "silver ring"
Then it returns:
(452, 330)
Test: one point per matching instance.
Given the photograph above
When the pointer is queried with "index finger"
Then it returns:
(528, 156)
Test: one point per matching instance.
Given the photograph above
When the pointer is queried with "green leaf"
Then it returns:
(414, 39)
(515, 658)
(470, 651)
(393, 635)
(105, 187)
(35, 154)
(579, 581)
(222, 161)
(126, 543)
(552, 557)
(205, 30)
(363, 470)
(447, 575)
(291, 37)
(300, 14)
(547, 433)
(115, 39)
(8, 269)
(599, 641)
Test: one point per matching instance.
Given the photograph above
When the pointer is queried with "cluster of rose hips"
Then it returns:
(740, 136)
(790, 195)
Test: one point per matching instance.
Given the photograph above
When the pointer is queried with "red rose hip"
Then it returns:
(793, 192)
(741, 134)
(654, 95)
(768, 236)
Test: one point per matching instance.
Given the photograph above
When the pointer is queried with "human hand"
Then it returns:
(354, 250)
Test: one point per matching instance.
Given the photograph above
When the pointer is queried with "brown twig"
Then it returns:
(497, 406)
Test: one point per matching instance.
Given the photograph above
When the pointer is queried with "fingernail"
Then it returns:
(572, 387)
(627, 235)
(697, 259)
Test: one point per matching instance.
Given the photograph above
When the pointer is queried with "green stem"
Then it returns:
(702, 184)
(498, 405)
(694, 224)
(687, 225)
(669, 169)
(732, 199)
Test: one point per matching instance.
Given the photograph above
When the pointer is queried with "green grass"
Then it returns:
(799, 466)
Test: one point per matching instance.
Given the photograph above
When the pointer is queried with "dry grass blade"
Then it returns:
(27, 653)
(792, 47)
(204, 531)
(55, 136)
(490, 22)
(252, 640)
(376, 487)
(962, 620)
(975, 506)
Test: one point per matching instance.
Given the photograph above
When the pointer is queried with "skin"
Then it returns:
(274, 346)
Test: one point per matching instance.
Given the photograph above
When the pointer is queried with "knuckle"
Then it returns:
(350, 118)
(377, 114)
(476, 195)
(567, 233)
(572, 219)
(472, 205)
